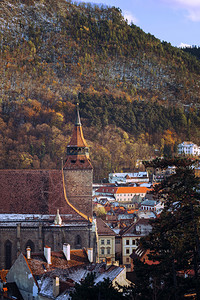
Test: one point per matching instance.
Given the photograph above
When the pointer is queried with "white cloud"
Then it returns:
(192, 8)
(182, 45)
(189, 3)
(129, 17)
(194, 15)
(184, 3)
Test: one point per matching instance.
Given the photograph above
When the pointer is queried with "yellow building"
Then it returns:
(105, 242)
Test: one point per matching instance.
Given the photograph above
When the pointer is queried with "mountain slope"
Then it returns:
(52, 51)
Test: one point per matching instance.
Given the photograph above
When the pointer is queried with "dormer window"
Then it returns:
(82, 161)
(73, 161)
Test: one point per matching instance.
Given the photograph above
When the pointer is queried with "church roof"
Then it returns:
(34, 192)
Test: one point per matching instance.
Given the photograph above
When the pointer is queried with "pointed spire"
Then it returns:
(77, 149)
(78, 119)
(77, 139)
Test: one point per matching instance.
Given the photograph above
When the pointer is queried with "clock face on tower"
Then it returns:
(72, 150)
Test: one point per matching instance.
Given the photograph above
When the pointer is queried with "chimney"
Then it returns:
(90, 254)
(66, 251)
(28, 252)
(56, 286)
(47, 254)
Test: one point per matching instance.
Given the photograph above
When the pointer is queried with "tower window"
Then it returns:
(8, 254)
(78, 242)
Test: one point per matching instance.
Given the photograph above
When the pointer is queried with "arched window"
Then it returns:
(8, 254)
(102, 251)
(31, 245)
(108, 250)
(78, 242)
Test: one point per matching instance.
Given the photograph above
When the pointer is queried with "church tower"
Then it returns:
(78, 171)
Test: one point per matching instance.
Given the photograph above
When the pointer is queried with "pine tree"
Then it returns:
(174, 240)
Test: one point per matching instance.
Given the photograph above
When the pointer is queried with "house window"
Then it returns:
(108, 242)
(102, 251)
(133, 242)
(127, 259)
(127, 242)
(108, 250)
(117, 241)
(127, 251)
(102, 242)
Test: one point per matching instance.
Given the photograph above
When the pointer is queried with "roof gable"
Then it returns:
(103, 228)
(20, 273)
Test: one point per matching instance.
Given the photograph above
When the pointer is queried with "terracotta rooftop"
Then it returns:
(33, 192)
(123, 190)
(132, 189)
(103, 229)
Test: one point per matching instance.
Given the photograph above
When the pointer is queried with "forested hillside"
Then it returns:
(138, 96)
(194, 50)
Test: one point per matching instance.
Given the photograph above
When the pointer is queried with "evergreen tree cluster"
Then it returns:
(174, 240)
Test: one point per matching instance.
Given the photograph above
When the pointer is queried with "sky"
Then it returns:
(174, 21)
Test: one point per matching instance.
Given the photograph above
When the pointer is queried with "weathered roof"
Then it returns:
(103, 228)
(39, 266)
(129, 230)
(33, 192)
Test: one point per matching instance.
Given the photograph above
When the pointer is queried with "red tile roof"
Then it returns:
(33, 192)
(123, 190)
(132, 189)
(39, 266)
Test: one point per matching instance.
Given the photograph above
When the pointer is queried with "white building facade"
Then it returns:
(128, 177)
(188, 148)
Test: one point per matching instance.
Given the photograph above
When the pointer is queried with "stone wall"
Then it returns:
(19, 237)
(78, 185)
